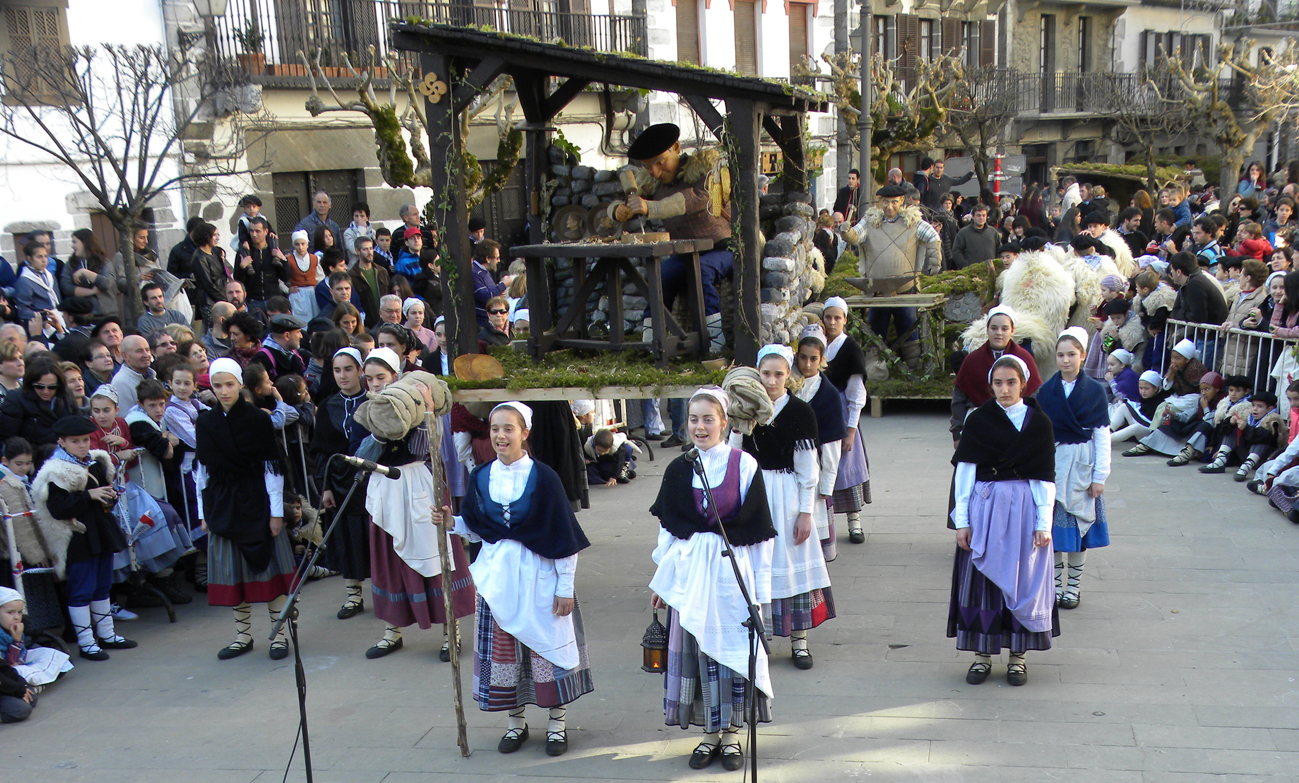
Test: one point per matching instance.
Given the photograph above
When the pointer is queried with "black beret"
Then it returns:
(99, 327)
(1010, 247)
(1118, 306)
(1263, 396)
(71, 426)
(1240, 381)
(1029, 244)
(1083, 242)
(477, 224)
(654, 141)
(1099, 216)
(77, 305)
(286, 322)
(891, 191)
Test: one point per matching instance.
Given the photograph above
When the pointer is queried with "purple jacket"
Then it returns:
(485, 287)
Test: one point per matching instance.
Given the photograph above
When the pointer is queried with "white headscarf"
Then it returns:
(301, 235)
(717, 393)
(1123, 355)
(522, 409)
(386, 356)
(1002, 310)
(408, 303)
(836, 301)
(1023, 365)
(582, 407)
(8, 595)
(816, 333)
(352, 352)
(1186, 348)
(1076, 332)
(773, 349)
(1153, 378)
(224, 365)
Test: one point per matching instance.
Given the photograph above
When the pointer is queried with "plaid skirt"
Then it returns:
(699, 691)
(508, 674)
(851, 500)
(979, 619)
(230, 580)
(799, 613)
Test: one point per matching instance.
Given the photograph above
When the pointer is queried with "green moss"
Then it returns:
(897, 387)
(590, 370)
(392, 148)
(961, 281)
(1133, 171)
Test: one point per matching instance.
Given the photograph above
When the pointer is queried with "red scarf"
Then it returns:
(973, 376)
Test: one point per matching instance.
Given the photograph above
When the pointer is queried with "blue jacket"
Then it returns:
(324, 299)
(1183, 212)
(312, 221)
(485, 287)
(30, 298)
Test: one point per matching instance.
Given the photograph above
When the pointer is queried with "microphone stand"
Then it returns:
(289, 614)
(757, 630)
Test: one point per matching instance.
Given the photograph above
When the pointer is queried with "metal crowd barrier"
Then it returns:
(1269, 361)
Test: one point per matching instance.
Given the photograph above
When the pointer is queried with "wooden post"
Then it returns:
(446, 150)
(531, 89)
(745, 118)
(794, 173)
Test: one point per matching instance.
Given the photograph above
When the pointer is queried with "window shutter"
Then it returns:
(31, 29)
(951, 33)
(746, 34)
(797, 35)
(988, 44)
(909, 45)
(688, 31)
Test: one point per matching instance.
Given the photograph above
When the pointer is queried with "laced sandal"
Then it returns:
(93, 653)
(351, 608)
(1017, 673)
(732, 756)
(556, 742)
(979, 671)
(118, 642)
(234, 650)
(1186, 455)
(704, 754)
(384, 647)
(513, 740)
(803, 658)
(1138, 450)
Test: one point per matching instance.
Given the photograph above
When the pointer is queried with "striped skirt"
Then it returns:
(851, 500)
(799, 613)
(403, 597)
(980, 621)
(699, 691)
(1065, 530)
(1283, 498)
(509, 675)
(230, 580)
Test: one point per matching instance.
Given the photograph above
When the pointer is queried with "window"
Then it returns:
(35, 25)
(798, 35)
(1046, 44)
(688, 31)
(970, 40)
(746, 37)
(928, 41)
(882, 36)
(1084, 43)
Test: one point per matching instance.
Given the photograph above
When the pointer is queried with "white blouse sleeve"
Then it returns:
(200, 483)
(461, 529)
(1101, 447)
(735, 440)
(464, 449)
(856, 394)
(566, 573)
(275, 488)
(1044, 499)
(806, 470)
(830, 454)
(964, 488)
(748, 469)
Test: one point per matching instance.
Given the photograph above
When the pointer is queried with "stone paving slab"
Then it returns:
(1179, 667)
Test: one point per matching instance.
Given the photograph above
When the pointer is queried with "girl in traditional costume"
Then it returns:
(1080, 421)
(708, 643)
(1005, 492)
(240, 478)
(530, 647)
(846, 369)
(827, 405)
(405, 566)
(785, 448)
(336, 432)
(971, 387)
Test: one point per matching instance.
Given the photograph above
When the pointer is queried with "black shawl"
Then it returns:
(849, 361)
(679, 514)
(827, 404)
(554, 442)
(794, 429)
(541, 519)
(1003, 453)
(236, 449)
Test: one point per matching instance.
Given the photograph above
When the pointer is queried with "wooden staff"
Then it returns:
(451, 629)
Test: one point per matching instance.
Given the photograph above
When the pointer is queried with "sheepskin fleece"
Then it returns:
(1162, 297)
(1028, 326)
(1131, 334)
(71, 478)
(1122, 253)
(1040, 292)
(1087, 285)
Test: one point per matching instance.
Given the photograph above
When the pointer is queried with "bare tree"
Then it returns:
(977, 109)
(121, 120)
(1237, 110)
(399, 137)
(1143, 113)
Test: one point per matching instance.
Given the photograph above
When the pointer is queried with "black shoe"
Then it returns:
(1213, 467)
(673, 442)
(556, 742)
(622, 477)
(978, 672)
(444, 655)
(732, 759)
(631, 474)
(93, 654)
(513, 740)
(1017, 674)
(351, 610)
(279, 650)
(1069, 601)
(234, 650)
(704, 755)
(803, 659)
(383, 648)
(118, 643)
(1256, 486)
(856, 535)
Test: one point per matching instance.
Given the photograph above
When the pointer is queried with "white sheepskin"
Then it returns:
(1123, 260)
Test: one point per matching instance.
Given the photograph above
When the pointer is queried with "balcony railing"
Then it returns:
(265, 36)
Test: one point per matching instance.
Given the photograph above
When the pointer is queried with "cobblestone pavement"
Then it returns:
(1178, 667)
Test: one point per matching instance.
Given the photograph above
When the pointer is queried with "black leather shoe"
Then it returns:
(234, 650)
(856, 535)
(732, 757)
(803, 659)
(118, 643)
(94, 654)
(1069, 601)
(556, 742)
(978, 672)
(1017, 674)
(513, 740)
(1293, 515)
(703, 755)
(444, 655)
(383, 648)
(655, 436)
(672, 442)
(279, 650)
(351, 610)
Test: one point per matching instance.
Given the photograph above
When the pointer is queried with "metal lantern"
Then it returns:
(654, 646)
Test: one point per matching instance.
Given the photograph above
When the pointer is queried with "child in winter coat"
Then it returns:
(1259, 433)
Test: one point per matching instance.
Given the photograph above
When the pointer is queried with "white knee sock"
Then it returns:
(82, 624)
(243, 623)
(101, 612)
(557, 715)
(517, 721)
(1076, 562)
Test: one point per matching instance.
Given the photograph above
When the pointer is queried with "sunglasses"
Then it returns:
(498, 312)
(45, 387)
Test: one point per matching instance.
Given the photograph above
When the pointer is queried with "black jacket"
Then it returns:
(1200, 301)
(24, 415)
(262, 278)
(208, 271)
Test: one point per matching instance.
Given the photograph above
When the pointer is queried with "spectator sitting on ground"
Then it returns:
(610, 458)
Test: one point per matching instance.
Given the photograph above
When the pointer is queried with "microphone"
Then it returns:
(372, 467)
(692, 455)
